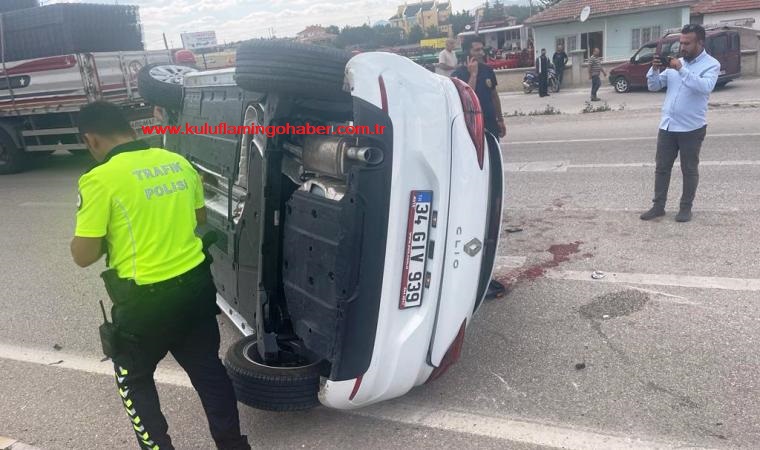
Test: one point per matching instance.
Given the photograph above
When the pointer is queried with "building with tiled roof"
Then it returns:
(617, 27)
(743, 13)
(425, 14)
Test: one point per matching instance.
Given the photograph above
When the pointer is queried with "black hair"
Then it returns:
(105, 119)
(697, 29)
(543, 49)
(469, 40)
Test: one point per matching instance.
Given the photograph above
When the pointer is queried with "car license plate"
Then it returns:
(138, 124)
(415, 254)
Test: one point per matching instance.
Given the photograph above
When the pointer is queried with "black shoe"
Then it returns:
(495, 290)
(684, 215)
(595, 99)
(653, 213)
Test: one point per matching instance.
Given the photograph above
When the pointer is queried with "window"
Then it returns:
(590, 41)
(718, 44)
(572, 43)
(646, 54)
(559, 41)
(640, 36)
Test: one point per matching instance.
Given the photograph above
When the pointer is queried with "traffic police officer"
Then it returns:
(140, 206)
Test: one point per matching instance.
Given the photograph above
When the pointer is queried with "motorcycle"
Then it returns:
(530, 81)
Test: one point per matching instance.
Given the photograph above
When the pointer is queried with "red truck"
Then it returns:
(723, 43)
(40, 98)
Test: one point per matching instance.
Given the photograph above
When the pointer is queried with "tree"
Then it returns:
(415, 35)
(459, 20)
(518, 12)
(332, 29)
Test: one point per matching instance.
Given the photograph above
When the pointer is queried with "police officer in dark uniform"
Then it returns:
(482, 80)
(140, 206)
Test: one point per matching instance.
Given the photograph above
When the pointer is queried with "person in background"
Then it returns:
(482, 80)
(560, 61)
(542, 69)
(594, 69)
(447, 59)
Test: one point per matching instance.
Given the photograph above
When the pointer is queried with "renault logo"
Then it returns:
(473, 247)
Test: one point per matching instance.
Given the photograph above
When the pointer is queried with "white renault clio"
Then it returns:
(352, 264)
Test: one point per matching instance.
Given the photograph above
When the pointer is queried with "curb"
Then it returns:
(7, 443)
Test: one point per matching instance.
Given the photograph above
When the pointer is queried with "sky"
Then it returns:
(235, 20)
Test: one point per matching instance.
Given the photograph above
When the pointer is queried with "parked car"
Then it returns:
(352, 265)
(722, 43)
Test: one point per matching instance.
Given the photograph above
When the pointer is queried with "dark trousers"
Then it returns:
(596, 83)
(560, 75)
(177, 319)
(669, 145)
(543, 85)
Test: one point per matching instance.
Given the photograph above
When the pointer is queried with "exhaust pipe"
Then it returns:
(332, 156)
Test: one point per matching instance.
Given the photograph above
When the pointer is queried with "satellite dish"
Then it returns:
(585, 12)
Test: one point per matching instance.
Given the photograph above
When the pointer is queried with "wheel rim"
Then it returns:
(170, 74)
(293, 360)
(621, 85)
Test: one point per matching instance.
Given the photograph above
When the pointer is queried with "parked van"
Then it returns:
(722, 43)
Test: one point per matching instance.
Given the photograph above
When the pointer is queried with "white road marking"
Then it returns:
(621, 139)
(509, 429)
(564, 166)
(498, 427)
(71, 205)
(81, 363)
(732, 284)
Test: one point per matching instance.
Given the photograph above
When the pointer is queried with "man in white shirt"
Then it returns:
(447, 59)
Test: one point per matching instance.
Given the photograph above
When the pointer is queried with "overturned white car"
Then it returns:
(351, 263)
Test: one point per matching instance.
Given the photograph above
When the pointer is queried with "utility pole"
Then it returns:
(531, 6)
(165, 44)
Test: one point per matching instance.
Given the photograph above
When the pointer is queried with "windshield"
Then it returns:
(645, 55)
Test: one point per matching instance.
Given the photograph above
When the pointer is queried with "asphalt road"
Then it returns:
(661, 352)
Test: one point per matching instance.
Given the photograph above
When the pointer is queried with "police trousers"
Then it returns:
(177, 316)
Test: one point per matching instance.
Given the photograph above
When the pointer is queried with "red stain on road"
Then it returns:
(560, 253)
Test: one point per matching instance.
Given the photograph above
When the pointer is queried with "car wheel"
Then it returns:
(621, 85)
(291, 68)
(161, 84)
(721, 84)
(11, 157)
(291, 386)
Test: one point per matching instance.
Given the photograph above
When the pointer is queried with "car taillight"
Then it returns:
(355, 390)
(473, 117)
(383, 95)
(452, 354)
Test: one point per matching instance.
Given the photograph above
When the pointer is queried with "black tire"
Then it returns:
(721, 84)
(554, 84)
(12, 158)
(270, 388)
(527, 89)
(621, 85)
(293, 68)
(161, 84)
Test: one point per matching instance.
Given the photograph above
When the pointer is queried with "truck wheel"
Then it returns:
(11, 157)
(161, 84)
(291, 68)
(621, 85)
(292, 386)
